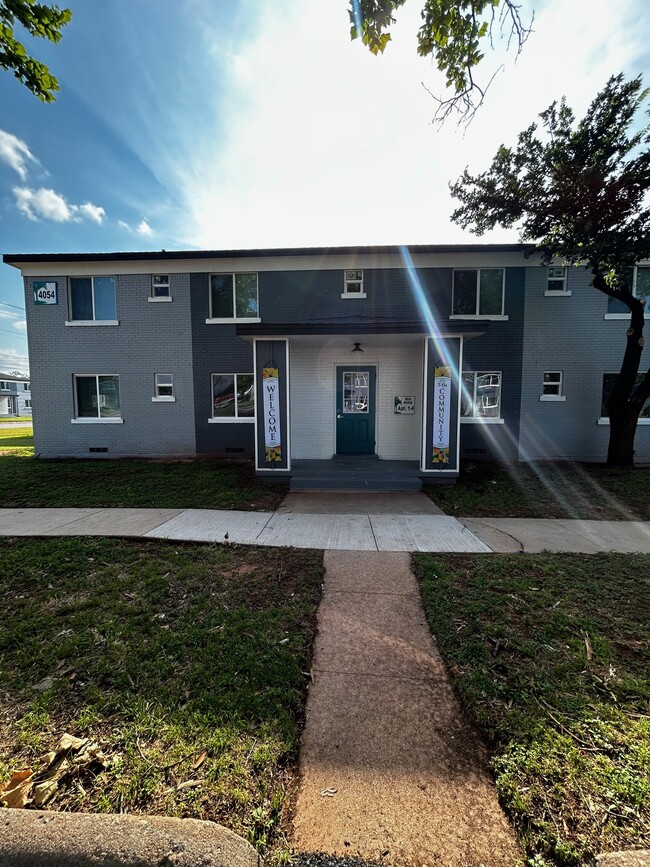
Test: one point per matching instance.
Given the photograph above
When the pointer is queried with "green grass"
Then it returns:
(207, 484)
(551, 656)
(16, 443)
(15, 418)
(160, 652)
(546, 490)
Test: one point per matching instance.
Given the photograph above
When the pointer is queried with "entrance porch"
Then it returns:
(355, 473)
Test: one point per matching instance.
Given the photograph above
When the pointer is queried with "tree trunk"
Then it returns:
(622, 428)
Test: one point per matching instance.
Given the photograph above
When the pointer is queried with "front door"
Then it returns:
(355, 409)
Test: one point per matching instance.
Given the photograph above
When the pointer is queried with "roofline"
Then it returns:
(25, 258)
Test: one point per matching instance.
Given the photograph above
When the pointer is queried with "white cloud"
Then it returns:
(46, 204)
(16, 154)
(21, 325)
(10, 359)
(144, 229)
(7, 314)
(124, 225)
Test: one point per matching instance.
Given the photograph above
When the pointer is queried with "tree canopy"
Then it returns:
(453, 33)
(39, 20)
(579, 193)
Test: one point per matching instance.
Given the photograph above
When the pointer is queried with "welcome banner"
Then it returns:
(272, 429)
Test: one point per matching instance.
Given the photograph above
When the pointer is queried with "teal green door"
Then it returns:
(355, 409)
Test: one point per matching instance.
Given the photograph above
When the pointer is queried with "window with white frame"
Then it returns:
(556, 281)
(92, 299)
(353, 284)
(609, 381)
(481, 395)
(639, 277)
(233, 296)
(163, 386)
(160, 286)
(478, 292)
(233, 396)
(28, 404)
(552, 384)
(25, 386)
(97, 396)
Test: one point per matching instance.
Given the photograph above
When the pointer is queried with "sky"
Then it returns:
(234, 124)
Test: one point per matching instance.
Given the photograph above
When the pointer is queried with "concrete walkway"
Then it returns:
(367, 526)
(390, 770)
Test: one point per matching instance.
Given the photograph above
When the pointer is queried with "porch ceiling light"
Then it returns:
(356, 348)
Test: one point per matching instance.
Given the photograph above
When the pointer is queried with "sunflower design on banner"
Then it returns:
(441, 413)
(272, 436)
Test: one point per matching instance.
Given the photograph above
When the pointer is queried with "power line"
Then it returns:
(7, 304)
(14, 333)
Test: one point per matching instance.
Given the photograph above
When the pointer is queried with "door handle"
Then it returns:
(338, 416)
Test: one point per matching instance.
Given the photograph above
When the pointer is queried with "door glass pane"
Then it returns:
(81, 298)
(464, 293)
(86, 396)
(223, 396)
(245, 396)
(221, 294)
(109, 396)
(488, 389)
(491, 292)
(246, 295)
(356, 391)
(104, 298)
(467, 395)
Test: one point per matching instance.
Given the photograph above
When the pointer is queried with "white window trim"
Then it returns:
(471, 419)
(557, 293)
(92, 321)
(495, 317)
(627, 315)
(552, 398)
(166, 285)
(621, 316)
(234, 419)
(559, 382)
(353, 295)
(98, 420)
(159, 298)
(221, 320)
(641, 421)
(156, 385)
(165, 398)
(345, 293)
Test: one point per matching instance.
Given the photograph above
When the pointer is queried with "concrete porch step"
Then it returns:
(333, 483)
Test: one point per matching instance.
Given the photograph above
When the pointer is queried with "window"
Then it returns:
(6, 386)
(552, 385)
(353, 285)
(233, 396)
(233, 296)
(28, 404)
(164, 387)
(481, 395)
(478, 292)
(97, 397)
(556, 281)
(92, 299)
(640, 278)
(609, 380)
(25, 386)
(160, 286)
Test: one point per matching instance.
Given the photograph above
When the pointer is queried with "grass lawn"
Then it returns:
(545, 490)
(15, 418)
(551, 656)
(186, 664)
(26, 483)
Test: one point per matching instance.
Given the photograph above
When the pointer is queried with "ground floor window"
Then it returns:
(233, 395)
(481, 394)
(609, 380)
(97, 396)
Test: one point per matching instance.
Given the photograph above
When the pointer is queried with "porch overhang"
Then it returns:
(349, 328)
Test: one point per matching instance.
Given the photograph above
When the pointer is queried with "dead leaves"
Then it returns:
(70, 757)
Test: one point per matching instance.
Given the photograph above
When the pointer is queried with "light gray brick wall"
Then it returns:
(150, 338)
(569, 334)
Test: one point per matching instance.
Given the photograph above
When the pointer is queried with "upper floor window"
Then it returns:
(25, 386)
(609, 381)
(8, 386)
(556, 281)
(92, 299)
(160, 286)
(478, 292)
(233, 296)
(481, 395)
(353, 285)
(640, 279)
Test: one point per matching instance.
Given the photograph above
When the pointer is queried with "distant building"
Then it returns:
(421, 355)
(15, 396)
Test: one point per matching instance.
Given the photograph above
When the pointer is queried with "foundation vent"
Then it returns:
(234, 451)
(97, 449)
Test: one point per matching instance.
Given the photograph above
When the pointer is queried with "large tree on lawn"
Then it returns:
(579, 193)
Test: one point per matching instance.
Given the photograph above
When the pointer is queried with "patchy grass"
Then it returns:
(551, 655)
(15, 418)
(161, 653)
(17, 442)
(546, 490)
(205, 484)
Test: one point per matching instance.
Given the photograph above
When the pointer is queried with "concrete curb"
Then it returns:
(38, 838)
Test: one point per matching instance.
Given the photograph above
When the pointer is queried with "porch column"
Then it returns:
(272, 435)
(441, 406)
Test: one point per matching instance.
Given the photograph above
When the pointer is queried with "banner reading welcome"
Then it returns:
(272, 432)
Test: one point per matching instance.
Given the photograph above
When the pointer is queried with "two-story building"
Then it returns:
(15, 396)
(416, 356)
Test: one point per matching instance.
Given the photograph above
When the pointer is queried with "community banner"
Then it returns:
(441, 414)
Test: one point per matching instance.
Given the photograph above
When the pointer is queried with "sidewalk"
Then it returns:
(411, 527)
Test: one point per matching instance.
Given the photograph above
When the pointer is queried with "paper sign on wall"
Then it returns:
(45, 292)
(272, 435)
(441, 414)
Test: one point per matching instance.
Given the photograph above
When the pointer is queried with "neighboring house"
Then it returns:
(15, 396)
(421, 355)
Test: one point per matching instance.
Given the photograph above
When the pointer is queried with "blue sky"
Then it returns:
(239, 123)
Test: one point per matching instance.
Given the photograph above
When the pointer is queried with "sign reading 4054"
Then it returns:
(45, 292)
